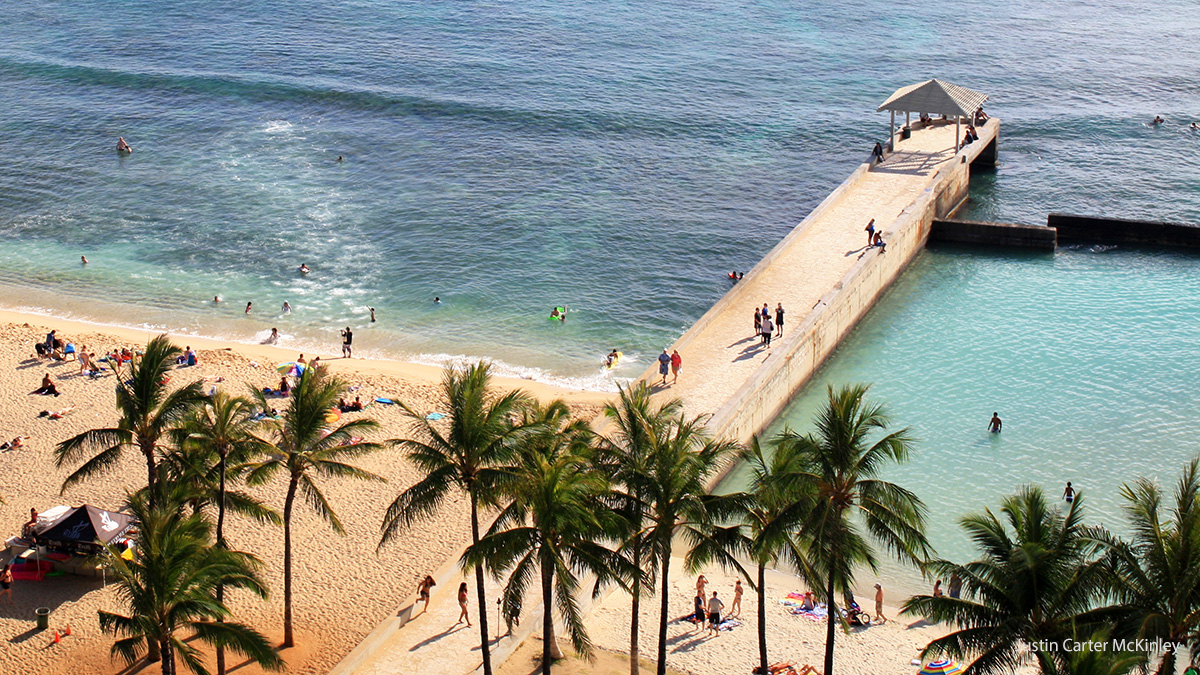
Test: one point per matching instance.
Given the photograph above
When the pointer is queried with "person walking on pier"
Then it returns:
(779, 318)
(870, 228)
(676, 365)
(664, 366)
(767, 329)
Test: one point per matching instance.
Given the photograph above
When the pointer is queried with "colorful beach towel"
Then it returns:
(729, 624)
(818, 613)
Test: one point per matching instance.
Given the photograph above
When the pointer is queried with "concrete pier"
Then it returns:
(1008, 235)
(826, 278)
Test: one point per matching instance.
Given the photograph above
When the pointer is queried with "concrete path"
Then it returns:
(432, 642)
(726, 352)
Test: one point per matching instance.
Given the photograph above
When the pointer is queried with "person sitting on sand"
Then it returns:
(357, 406)
(809, 602)
(274, 336)
(284, 387)
(126, 355)
(47, 387)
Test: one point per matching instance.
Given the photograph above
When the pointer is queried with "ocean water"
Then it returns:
(618, 158)
(1085, 353)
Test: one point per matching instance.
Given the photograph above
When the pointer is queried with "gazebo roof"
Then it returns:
(935, 97)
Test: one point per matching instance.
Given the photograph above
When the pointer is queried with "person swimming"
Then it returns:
(287, 308)
(339, 158)
(437, 301)
(1157, 121)
(559, 313)
(83, 259)
(216, 299)
(122, 146)
(304, 268)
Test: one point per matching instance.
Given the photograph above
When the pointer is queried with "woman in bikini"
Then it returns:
(462, 602)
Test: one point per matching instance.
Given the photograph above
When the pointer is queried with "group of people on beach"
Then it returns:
(764, 327)
(707, 610)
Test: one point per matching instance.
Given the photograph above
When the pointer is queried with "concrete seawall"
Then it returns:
(993, 234)
(1121, 231)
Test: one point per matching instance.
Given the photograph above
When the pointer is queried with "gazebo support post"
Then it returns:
(957, 134)
(892, 133)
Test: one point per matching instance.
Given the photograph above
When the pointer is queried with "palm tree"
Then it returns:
(675, 488)
(1033, 583)
(637, 426)
(305, 445)
(469, 457)
(1156, 574)
(765, 516)
(169, 586)
(147, 410)
(553, 526)
(1096, 656)
(218, 432)
(841, 469)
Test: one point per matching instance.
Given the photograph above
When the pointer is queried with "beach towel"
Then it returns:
(385, 401)
(818, 613)
(729, 624)
(433, 417)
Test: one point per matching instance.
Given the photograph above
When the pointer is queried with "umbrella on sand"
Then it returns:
(291, 369)
(941, 667)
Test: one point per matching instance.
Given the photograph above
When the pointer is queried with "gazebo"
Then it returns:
(936, 98)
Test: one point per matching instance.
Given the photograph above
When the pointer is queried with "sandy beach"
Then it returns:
(343, 588)
(875, 650)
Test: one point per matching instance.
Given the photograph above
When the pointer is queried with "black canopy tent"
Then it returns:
(85, 529)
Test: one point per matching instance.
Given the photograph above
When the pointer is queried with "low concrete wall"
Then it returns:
(1120, 231)
(993, 234)
(792, 363)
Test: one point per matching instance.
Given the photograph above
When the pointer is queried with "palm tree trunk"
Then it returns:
(762, 618)
(1167, 665)
(483, 627)
(637, 601)
(831, 608)
(147, 448)
(547, 615)
(287, 564)
(665, 554)
(168, 657)
(221, 543)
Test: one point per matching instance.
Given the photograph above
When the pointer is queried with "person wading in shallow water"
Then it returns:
(996, 424)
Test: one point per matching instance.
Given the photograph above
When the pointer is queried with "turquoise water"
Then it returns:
(508, 157)
(1087, 354)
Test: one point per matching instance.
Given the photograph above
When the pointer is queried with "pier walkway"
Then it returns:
(826, 278)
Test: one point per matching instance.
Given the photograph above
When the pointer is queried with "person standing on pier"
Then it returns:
(767, 329)
(870, 228)
(779, 318)
(757, 323)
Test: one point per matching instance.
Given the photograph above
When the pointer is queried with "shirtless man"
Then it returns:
(879, 604)
(122, 146)
(995, 425)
